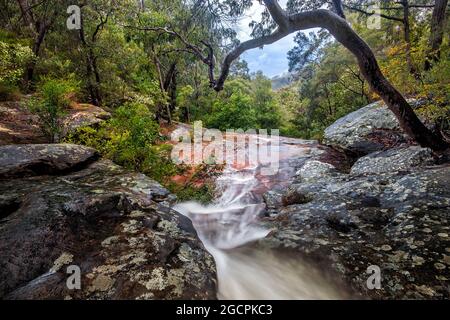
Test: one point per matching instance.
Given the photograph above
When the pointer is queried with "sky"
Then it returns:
(272, 60)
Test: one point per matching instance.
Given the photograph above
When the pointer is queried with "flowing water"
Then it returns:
(229, 225)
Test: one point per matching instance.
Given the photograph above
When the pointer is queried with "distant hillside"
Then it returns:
(281, 81)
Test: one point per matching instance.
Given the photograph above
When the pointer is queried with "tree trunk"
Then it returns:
(173, 91)
(367, 62)
(36, 50)
(93, 60)
(436, 33)
(91, 70)
(338, 8)
(24, 8)
(407, 34)
(164, 106)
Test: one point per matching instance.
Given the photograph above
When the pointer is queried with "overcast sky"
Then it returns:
(272, 60)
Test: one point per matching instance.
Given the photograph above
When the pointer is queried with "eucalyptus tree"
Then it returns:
(176, 35)
(401, 12)
(283, 22)
(437, 30)
(37, 17)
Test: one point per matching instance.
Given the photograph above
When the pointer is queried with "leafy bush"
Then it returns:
(53, 98)
(14, 56)
(130, 139)
(203, 194)
(233, 113)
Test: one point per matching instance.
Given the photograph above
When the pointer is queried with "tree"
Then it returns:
(436, 33)
(266, 108)
(399, 11)
(39, 17)
(175, 36)
(321, 18)
(88, 43)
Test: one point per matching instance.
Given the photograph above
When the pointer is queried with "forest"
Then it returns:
(149, 66)
(150, 62)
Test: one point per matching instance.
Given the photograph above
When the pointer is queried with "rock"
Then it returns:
(116, 226)
(295, 197)
(38, 159)
(18, 125)
(378, 219)
(393, 160)
(353, 131)
(273, 200)
(313, 170)
(83, 115)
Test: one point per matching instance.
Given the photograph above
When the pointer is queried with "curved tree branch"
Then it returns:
(241, 48)
(278, 14)
(338, 8)
(367, 62)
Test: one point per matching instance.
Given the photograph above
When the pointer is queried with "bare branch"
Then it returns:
(373, 13)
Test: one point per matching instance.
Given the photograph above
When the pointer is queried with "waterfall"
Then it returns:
(229, 225)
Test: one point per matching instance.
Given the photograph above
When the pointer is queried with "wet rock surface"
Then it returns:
(392, 211)
(18, 125)
(116, 226)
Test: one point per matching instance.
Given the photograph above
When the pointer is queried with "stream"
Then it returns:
(230, 225)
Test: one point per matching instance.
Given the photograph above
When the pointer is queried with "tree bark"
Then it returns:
(339, 8)
(407, 34)
(436, 33)
(24, 8)
(36, 49)
(91, 70)
(367, 62)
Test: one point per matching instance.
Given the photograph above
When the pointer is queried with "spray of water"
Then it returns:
(230, 224)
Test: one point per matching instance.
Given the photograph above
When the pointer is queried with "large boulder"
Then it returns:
(38, 159)
(116, 226)
(314, 169)
(397, 220)
(366, 130)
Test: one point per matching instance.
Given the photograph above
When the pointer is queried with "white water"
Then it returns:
(228, 227)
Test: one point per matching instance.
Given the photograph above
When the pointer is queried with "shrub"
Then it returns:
(13, 59)
(130, 139)
(50, 104)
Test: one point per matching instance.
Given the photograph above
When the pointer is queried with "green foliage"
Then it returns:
(130, 139)
(435, 90)
(203, 194)
(232, 113)
(266, 107)
(243, 104)
(53, 98)
(14, 56)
